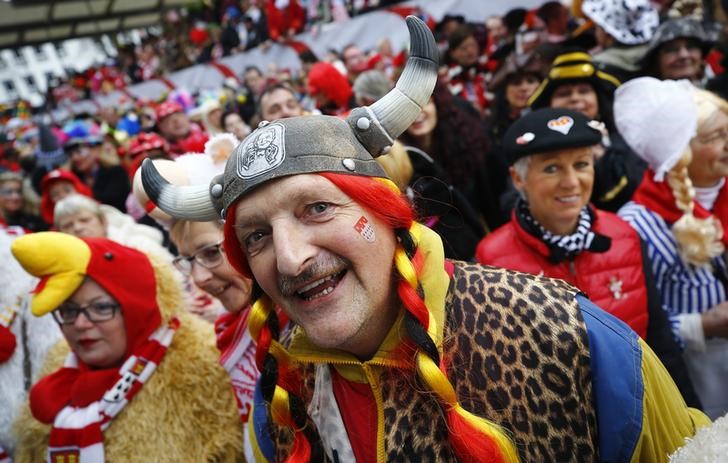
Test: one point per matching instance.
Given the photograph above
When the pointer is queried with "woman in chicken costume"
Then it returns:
(141, 381)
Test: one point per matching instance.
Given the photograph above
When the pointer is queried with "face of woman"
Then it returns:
(220, 281)
(680, 58)
(557, 186)
(235, 125)
(425, 122)
(11, 196)
(60, 189)
(100, 344)
(466, 54)
(519, 90)
(710, 152)
(84, 224)
(84, 158)
(579, 96)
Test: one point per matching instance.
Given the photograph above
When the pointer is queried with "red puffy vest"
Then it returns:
(614, 280)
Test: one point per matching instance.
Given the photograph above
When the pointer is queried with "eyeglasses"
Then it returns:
(10, 191)
(209, 257)
(100, 311)
(714, 136)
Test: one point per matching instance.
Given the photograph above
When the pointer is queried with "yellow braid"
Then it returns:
(435, 378)
(259, 312)
(698, 239)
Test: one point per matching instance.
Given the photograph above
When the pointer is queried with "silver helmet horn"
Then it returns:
(378, 125)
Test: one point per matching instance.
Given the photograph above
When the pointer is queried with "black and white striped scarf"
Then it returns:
(564, 247)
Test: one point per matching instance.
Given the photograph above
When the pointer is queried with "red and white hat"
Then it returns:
(146, 141)
(168, 108)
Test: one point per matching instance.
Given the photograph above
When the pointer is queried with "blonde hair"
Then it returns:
(181, 229)
(73, 204)
(397, 165)
(699, 240)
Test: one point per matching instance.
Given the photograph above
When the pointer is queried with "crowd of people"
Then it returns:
(198, 33)
(507, 243)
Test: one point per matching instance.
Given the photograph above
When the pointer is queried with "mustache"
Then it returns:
(321, 267)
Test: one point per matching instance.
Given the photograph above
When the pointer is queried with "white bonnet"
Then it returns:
(657, 119)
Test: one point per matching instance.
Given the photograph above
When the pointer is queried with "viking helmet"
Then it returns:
(309, 144)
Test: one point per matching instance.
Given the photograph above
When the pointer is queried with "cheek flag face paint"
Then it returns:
(365, 229)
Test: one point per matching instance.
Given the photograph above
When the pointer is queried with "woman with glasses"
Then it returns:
(203, 260)
(678, 50)
(137, 378)
(681, 212)
(201, 257)
(13, 207)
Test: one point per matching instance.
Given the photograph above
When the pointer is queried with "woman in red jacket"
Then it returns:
(556, 233)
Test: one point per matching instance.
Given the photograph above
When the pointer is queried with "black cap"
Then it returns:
(549, 129)
(571, 67)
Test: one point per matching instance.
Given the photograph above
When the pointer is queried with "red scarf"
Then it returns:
(237, 356)
(658, 197)
(81, 402)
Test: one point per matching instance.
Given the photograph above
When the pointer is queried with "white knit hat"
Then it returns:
(631, 22)
(657, 119)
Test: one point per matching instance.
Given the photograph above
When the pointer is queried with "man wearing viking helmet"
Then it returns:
(399, 354)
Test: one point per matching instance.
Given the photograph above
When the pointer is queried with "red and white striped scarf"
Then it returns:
(77, 432)
(4, 457)
(237, 356)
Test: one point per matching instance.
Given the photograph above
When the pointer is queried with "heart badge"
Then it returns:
(562, 124)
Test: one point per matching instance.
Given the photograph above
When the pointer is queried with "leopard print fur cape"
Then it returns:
(517, 353)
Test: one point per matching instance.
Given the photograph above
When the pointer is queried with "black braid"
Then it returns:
(413, 326)
(417, 332)
(269, 377)
(407, 242)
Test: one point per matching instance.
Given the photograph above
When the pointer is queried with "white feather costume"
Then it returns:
(33, 335)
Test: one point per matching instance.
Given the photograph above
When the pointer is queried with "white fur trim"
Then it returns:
(691, 330)
(42, 332)
(220, 147)
(708, 445)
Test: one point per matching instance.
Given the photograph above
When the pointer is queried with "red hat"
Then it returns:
(62, 262)
(46, 203)
(146, 141)
(325, 78)
(168, 108)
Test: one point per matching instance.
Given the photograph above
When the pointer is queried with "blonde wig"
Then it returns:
(699, 240)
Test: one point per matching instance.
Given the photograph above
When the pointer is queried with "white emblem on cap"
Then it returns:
(262, 151)
(561, 125)
(526, 138)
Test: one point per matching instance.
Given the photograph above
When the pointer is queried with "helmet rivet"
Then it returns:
(263, 123)
(363, 123)
(216, 190)
(349, 164)
(386, 149)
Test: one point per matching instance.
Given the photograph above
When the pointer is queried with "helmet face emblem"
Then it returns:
(263, 152)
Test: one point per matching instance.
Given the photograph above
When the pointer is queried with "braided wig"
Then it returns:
(699, 239)
(473, 438)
